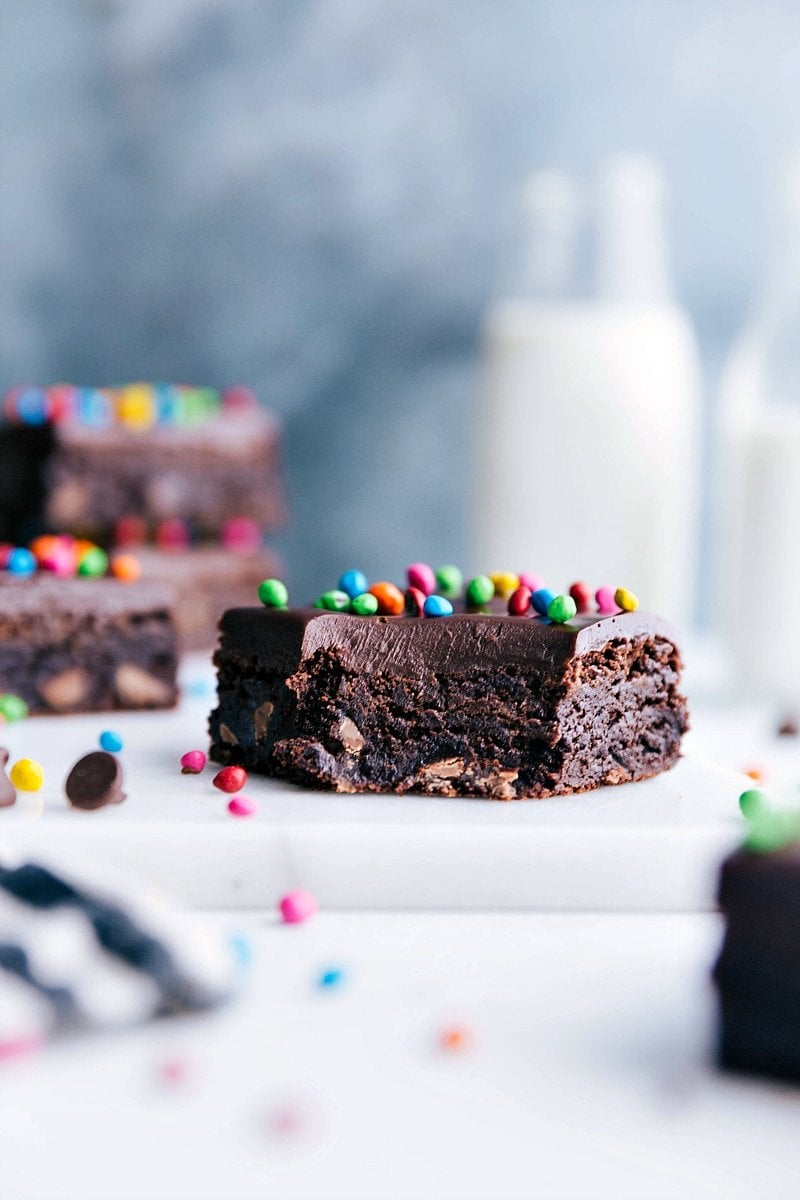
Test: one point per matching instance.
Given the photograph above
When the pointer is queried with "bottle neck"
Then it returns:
(632, 261)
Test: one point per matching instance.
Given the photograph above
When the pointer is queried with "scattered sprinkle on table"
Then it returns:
(26, 775)
(242, 806)
(333, 977)
(455, 1039)
(192, 762)
(296, 907)
(12, 708)
(110, 741)
(230, 779)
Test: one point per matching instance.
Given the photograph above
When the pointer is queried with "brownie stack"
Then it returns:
(150, 458)
(757, 973)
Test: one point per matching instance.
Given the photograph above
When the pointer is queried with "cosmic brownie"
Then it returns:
(464, 703)
(205, 581)
(757, 973)
(86, 645)
(83, 458)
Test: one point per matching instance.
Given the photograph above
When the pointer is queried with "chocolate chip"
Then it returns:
(94, 781)
(789, 727)
(7, 793)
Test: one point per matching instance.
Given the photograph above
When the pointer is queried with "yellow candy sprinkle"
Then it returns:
(26, 775)
(504, 584)
(626, 600)
(136, 406)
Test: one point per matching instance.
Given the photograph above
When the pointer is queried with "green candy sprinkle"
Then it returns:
(561, 609)
(365, 605)
(752, 803)
(335, 600)
(449, 582)
(94, 563)
(273, 593)
(12, 708)
(480, 590)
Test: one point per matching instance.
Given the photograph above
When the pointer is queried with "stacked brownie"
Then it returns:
(130, 466)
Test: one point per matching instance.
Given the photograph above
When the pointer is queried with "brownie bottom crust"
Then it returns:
(614, 715)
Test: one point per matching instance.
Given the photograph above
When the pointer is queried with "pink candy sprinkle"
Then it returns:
(606, 603)
(192, 762)
(60, 558)
(239, 399)
(19, 1047)
(532, 582)
(297, 907)
(242, 535)
(421, 576)
(242, 806)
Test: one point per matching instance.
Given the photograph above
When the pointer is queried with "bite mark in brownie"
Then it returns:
(474, 705)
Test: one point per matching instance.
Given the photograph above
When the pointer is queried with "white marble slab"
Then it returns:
(647, 846)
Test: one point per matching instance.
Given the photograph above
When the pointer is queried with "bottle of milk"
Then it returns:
(589, 416)
(759, 513)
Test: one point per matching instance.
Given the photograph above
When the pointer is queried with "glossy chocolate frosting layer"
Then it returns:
(282, 638)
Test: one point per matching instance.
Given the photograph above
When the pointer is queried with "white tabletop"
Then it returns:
(588, 1074)
(590, 1071)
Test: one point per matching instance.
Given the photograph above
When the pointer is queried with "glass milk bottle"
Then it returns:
(759, 511)
(587, 436)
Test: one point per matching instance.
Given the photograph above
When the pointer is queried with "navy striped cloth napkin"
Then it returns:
(75, 954)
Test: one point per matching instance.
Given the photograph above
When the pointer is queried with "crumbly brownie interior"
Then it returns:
(611, 715)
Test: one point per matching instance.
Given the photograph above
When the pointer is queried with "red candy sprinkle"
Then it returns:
(415, 602)
(172, 534)
(130, 531)
(230, 779)
(581, 593)
(519, 602)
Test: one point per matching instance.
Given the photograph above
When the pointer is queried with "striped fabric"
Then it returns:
(73, 954)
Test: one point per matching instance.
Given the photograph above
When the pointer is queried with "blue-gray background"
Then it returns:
(312, 196)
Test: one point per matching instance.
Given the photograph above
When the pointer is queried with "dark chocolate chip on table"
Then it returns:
(94, 781)
(8, 794)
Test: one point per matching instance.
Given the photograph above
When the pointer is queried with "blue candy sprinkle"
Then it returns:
(242, 949)
(31, 406)
(110, 741)
(353, 583)
(331, 978)
(21, 562)
(94, 408)
(437, 606)
(542, 599)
